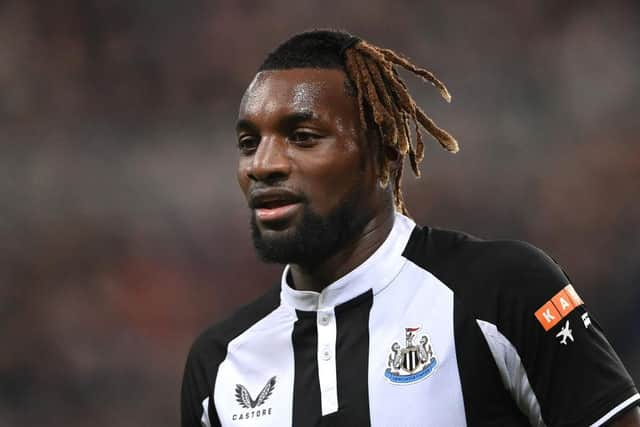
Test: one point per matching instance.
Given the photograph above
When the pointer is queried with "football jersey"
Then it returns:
(435, 328)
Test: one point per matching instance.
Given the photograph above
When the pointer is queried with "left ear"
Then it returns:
(390, 156)
(381, 155)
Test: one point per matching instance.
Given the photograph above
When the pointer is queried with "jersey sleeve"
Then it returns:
(575, 375)
(194, 399)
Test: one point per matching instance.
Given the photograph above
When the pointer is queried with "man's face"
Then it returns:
(307, 172)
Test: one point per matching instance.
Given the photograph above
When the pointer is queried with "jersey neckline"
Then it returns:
(375, 273)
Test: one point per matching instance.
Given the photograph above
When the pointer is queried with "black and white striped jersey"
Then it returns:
(436, 328)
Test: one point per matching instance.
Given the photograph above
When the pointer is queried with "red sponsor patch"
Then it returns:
(559, 306)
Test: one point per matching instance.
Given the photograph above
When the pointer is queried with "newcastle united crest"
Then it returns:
(413, 362)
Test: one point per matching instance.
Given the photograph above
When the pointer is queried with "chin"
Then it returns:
(309, 237)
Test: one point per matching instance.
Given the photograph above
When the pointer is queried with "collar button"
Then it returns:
(324, 319)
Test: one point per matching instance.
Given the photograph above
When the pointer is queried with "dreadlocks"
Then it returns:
(383, 99)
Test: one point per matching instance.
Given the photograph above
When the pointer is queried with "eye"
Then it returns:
(248, 143)
(303, 137)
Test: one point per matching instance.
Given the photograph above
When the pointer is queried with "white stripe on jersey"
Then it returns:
(260, 353)
(512, 372)
(205, 421)
(416, 298)
(633, 399)
(327, 331)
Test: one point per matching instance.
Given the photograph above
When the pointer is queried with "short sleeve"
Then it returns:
(575, 374)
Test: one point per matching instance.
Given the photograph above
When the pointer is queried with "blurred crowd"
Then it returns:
(124, 233)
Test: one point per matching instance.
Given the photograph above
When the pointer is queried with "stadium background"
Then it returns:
(123, 233)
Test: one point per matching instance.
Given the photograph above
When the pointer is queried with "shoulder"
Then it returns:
(446, 250)
(211, 344)
(485, 271)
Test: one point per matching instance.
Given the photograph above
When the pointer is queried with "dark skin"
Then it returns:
(299, 130)
(629, 419)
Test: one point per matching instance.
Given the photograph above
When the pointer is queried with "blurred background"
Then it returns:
(123, 232)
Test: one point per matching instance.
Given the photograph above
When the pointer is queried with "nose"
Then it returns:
(270, 161)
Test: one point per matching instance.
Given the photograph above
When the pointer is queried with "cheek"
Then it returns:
(241, 176)
(331, 179)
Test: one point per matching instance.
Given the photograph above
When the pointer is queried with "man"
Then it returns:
(378, 321)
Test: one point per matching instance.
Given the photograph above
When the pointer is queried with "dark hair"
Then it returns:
(314, 49)
(381, 94)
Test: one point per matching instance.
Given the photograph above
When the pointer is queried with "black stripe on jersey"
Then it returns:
(307, 408)
(352, 362)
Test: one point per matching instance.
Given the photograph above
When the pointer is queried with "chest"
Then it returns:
(383, 360)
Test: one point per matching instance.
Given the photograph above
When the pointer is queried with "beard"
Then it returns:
(315, 238)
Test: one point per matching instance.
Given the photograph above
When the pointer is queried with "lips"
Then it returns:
(274, 205)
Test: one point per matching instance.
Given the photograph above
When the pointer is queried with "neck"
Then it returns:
(321, 275)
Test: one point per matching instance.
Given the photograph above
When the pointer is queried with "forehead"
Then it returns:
(320, 91)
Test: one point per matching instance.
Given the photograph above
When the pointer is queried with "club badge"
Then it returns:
(413, 362)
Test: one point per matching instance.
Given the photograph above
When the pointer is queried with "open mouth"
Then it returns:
(276, 212)
(274, 205)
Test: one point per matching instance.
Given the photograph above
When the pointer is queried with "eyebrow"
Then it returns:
(287, 121)
(244, 124)
(299, 116)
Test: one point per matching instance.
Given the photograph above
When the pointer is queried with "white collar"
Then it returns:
(375, 273)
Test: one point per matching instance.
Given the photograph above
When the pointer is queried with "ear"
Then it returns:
(393, 158)
(379, 155)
